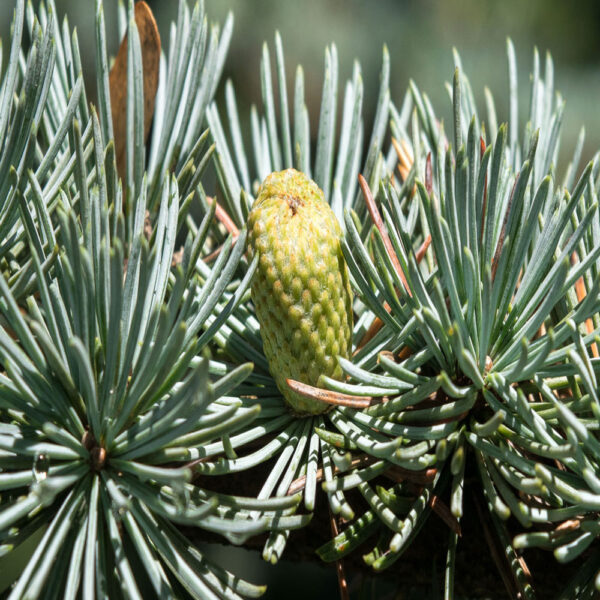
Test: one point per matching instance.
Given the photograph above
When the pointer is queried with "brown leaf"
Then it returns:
(581, 294)
(150, 46)
(405, 159)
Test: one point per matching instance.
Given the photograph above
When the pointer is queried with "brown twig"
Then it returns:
(330, 397)
(378, 221)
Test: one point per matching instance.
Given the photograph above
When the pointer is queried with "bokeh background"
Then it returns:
(420, 35)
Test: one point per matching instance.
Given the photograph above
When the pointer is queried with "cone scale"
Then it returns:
(301, 289)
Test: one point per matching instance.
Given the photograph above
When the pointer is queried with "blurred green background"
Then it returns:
(420, 35)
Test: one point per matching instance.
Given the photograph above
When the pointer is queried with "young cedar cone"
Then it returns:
(301, 288)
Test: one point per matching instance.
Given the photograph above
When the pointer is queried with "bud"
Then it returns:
(301, 288)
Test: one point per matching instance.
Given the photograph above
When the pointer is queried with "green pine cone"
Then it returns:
(301, 289)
